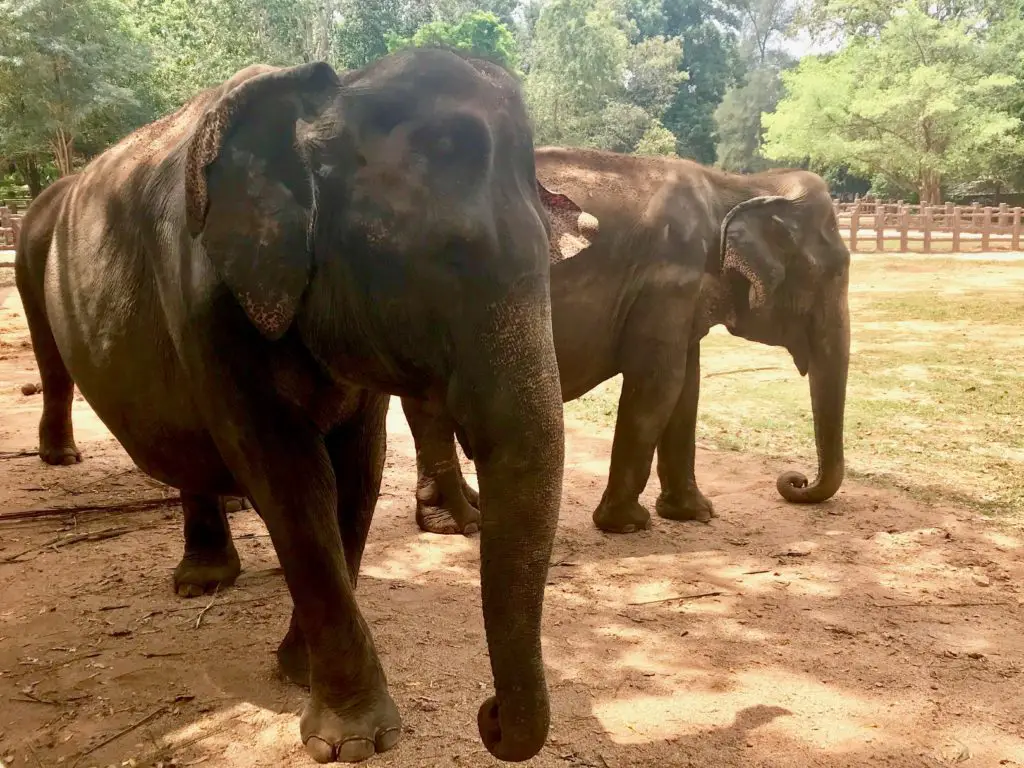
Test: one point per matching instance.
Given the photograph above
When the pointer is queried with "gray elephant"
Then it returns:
(680, 248)
(235, 289)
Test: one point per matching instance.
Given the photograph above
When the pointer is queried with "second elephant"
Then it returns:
(681, 248)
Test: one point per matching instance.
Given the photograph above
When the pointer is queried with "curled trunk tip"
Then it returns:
(795, 488)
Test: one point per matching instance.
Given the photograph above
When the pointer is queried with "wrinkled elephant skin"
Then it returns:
(237, 288)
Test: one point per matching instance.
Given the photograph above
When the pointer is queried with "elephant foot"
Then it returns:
(202, 572)
(437, 514)
(236, 504)
(690, 505)
(58, 448)
(625, 517)
(293, 658)
(350, 733)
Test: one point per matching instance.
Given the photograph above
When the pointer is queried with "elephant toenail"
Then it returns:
(354, 750)
(319, 749)
(388, 738)
(471, 529)
(629, 529)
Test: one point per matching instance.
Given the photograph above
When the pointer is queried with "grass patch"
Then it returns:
(935, 402)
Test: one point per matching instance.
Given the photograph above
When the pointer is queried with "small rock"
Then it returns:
(982, 580)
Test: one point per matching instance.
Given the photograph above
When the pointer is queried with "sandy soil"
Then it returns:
(871, 630)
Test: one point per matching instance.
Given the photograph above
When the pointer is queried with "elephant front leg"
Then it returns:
(210, 561)
(645, 405)
(680, 498)
(444, 501)
(357, 451)
(285, 465)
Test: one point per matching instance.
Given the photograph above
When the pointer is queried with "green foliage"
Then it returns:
(707, 29)
(738, 119)
(590, 86)
(921, 103)
(68, 75)
(657, 140)
(478, 32)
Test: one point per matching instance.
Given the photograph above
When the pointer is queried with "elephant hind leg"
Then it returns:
(445, 503)
(210, 561)
(56, 433)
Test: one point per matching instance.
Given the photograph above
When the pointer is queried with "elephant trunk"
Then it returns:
(828, 367)
(505, 393)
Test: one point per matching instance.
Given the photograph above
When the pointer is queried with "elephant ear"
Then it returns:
(572, 228)
(755, 236)
(249, 191)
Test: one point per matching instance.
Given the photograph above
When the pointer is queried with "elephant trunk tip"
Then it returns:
(795, 488)
(500, 742)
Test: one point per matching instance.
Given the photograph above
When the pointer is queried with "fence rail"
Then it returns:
(884, 226)
(10, 226)
(866, 225)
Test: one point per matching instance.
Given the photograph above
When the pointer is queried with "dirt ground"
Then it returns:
(871, 630)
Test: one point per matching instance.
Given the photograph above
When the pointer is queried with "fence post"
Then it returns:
(879, 228)
(956, 229)
(904, 226)
(15, 230)
(854, 224)
(986, 228)
(1003, 209)
(1015, 233)
(926, 225)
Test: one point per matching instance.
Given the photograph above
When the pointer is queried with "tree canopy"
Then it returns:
(915, 98)
(923, 102)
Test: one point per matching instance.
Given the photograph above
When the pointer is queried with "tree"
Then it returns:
(738, 118)
(921, 104)
(478, 32)
(579, 56)
(589, 86)
(72, 72)
(707, 29)
(846, 19)
(764, 22)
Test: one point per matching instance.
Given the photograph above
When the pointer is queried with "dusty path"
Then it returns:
(867, 631)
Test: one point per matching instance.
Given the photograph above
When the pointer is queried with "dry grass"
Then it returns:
(935, 402)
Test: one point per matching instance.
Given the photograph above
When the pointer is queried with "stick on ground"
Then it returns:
(128, 506)
(137, 724)
(678, 597)
(64, 541)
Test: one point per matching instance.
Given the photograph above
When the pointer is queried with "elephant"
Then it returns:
(239, 287)
(681, 248)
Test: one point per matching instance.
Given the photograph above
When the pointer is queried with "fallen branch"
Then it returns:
(66, 541)
(752, 573)
(939, 605)
(199, 618)
(124, 731)
(678, 597)
(128, 506)
(222, 605)
(17, 454)
(742, 370)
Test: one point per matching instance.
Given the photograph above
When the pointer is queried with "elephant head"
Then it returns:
(390, 223)
(785, 271)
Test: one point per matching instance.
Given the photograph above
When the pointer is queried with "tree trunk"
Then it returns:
(930, 188)
(34, 179)
(64, 151)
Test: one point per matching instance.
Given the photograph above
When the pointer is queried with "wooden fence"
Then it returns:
(900, 227)
(10, 225)
(867, 226)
